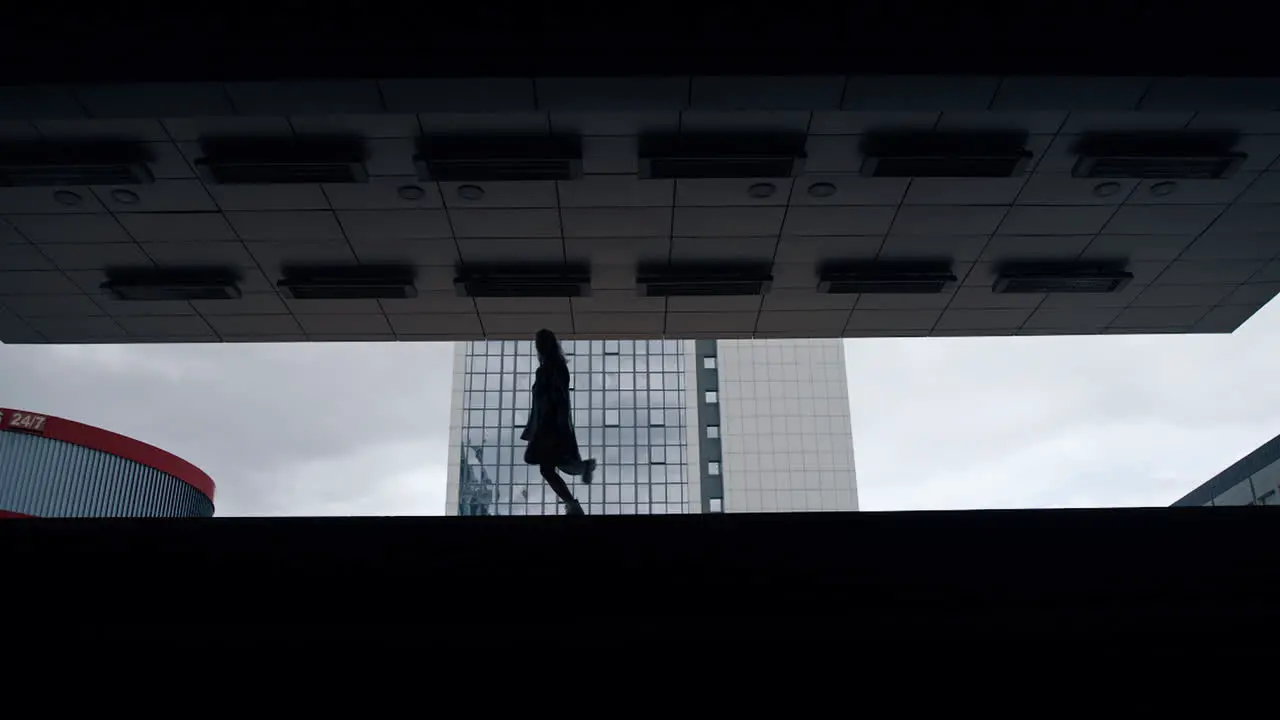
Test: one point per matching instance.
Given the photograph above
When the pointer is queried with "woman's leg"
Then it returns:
(557, 483)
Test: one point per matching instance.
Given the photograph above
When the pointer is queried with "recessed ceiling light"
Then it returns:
(762, 190)
(1161, 189)
(470, 192)
(821, 190)
(411, 192)
(125, 197)
(66, 197)
(1106, 189)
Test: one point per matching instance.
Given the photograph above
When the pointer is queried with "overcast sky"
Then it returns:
(941, 423)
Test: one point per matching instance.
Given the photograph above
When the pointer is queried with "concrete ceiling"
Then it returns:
(1204, 258)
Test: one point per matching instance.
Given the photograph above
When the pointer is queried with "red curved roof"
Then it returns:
(70, 431)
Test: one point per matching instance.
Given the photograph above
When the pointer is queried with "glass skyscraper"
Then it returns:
(678, 426)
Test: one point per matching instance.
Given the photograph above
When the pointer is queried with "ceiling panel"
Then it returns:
(798, 250)
(269, 197)
(732, 303)
(723, 249)
(503, 250)
(1063, 189)
(538, 194)
(1137, 247)
(846, 221)
(975, 191)
(361, 306)
(285, 225)
(947, 220)
(1224, 319)
(407, 252)
(616, 222)
(728, 221)
(189, 128)
(1206, 245)
(39, 200)
(432, 324)
(734, 192)
(1182, 295)
(1038, 122)
(381, 225)
(1163, 219)
(920, 92)
(603, 191)
(32, 306)
(248, 304)
(809, 323)
(336, 324)
(1005, 319)
(504, 223)
(305, 97)
(429, 301)
(458, 95)
(384, 193)
(177, 227)
(403, 125)
(524, 326)
(90, 256)
(857, 122)
(272, 256)
(35, 282)
(23, 256)
(1057, 220)
(163, 196)
(630, 324)
(1028, 247)
(1075, 93)
(78, 329)
(1079, 319)
(253, 325)
(710, 121)
(1208, 272)
(69, 228)
(125, 308)
(230, 253)
(916, 321)
(954, 247)
(166, 326)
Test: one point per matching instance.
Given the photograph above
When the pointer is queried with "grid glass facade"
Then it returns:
(1252, 480)
(629, 409)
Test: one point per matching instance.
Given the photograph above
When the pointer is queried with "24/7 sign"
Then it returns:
(23, 421)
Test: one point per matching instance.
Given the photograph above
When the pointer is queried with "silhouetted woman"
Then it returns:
(552, 442)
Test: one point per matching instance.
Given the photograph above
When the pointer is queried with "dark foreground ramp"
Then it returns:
(1167, 569)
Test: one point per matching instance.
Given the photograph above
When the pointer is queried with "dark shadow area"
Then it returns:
(1065, 573)
(58, 42)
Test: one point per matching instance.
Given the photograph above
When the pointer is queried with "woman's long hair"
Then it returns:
(548, 348)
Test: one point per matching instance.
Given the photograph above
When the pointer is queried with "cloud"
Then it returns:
(1057, 421)
(283, 429)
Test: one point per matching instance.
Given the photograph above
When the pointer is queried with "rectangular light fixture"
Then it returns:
(172, 284)
(704, 280)
(270, 161)
(1158, 156)
(524, 281)
(1151, 167)
(872, 277)
(471, 158)
(722, 156)
(1061, 278)
(945, 154)
(349, 283)
(63, 164)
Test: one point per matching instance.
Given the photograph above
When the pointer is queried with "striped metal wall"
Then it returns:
(49, 478)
